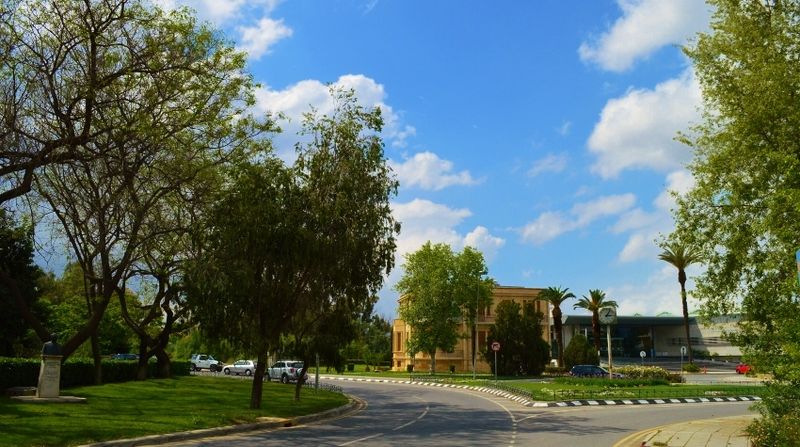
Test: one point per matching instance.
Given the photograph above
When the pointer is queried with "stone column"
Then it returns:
(49, 376)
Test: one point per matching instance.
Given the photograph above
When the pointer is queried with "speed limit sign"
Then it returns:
(496, 346)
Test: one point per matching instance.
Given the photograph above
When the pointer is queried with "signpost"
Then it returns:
(683, 352)
(642, 354)
(608, 316)
(495, 348)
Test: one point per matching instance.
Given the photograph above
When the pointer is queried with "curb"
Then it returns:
(536, 404)
(354, 405)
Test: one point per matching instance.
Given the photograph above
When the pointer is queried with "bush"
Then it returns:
(409, 368)
(691, 367)
(643, 372)
(551, 370)
(77, 371)
(452, 369)
(580, 352)
(611, 383)
(351, 367)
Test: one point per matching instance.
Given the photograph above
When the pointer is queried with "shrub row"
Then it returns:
(77, 371)
(611, 383)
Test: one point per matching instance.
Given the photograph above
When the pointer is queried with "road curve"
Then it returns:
(412, 415)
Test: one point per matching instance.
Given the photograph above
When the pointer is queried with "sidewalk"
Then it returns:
(719, 432)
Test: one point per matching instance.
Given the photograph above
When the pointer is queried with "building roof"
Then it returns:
(632, 320)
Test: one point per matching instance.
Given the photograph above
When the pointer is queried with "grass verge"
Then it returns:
(127, 410)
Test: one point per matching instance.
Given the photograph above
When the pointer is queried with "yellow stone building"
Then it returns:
(461, 357)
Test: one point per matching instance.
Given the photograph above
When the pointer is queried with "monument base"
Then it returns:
(50, 400)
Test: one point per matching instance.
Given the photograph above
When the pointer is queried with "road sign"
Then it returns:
(642, 354)
(496, 346)
(683, 350)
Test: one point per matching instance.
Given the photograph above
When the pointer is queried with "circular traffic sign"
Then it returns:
(496, 346)
(642, 354)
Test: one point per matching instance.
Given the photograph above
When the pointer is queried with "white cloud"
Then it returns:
(483, 241)
(588, 212)
(658, 293)
(646, 227)
(645, 26)
(428, 171)
(564, 129)
(638, 129)
(222, 11)
(551, 163)
(297, 99)
(550, 225)
(257, 40)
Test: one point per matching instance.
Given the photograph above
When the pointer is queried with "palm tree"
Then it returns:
(596, 301)
(555, 296)
(681, 257)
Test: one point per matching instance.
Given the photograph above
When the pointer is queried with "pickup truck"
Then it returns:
(286, 371)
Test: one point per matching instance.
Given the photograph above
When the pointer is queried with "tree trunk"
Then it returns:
(433, 362)
(163, 364)
(686, 320)
(596, 330)
(98, 366)
(474, 347)
(258, 380)
(300, 381)
(141, 373)
(559, 334)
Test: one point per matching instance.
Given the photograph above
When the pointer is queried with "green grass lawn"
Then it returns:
(597, 389)
(132, 409)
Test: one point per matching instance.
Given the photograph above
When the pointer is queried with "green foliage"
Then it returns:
(580, 352)
(427, 303)
(519, 330)
(643, 372)
(439, 288)
(742, 213)
(18, 275)
(551, 370)
(556, 296)
(691, 367)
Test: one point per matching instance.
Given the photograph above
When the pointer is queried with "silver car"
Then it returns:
(246, 367)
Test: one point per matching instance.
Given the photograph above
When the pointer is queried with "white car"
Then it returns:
(246, 367)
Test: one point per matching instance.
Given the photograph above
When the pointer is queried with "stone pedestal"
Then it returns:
(49, 377)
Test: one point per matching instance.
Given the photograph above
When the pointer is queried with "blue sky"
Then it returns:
(540, 132)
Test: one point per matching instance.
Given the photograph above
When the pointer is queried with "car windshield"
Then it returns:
(298, 365)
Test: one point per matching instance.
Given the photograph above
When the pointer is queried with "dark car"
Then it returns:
(124, 357)
(590, 371)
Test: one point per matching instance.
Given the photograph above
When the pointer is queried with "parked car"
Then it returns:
(125, 357)
(743, 368)
(205, 361)
(591, 371)
(246, 367)
(286, 371)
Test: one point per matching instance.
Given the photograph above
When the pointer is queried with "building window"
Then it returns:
(481, 340)
(399, 341)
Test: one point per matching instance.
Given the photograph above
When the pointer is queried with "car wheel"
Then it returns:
(268, 377)
(284, 379)
(227, 371)
(247, 372)
(193, 367)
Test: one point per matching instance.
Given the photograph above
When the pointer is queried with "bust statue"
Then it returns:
(52, 347)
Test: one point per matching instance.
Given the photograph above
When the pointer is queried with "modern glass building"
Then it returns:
(660, 336)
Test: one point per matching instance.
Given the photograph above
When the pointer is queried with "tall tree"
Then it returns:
(427, 303)
(518, 329)
(742, 214)
(185, 111)
(596, 301)
(556, 296)
(472, 288)
(298, 250)
(681, 256)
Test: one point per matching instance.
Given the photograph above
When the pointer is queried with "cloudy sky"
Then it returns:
(541, 133)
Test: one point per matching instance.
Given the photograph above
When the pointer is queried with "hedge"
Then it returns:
(77, 371)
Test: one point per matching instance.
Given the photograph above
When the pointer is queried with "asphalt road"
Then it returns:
(413, 415)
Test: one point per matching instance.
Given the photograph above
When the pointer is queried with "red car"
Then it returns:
(742, 368)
